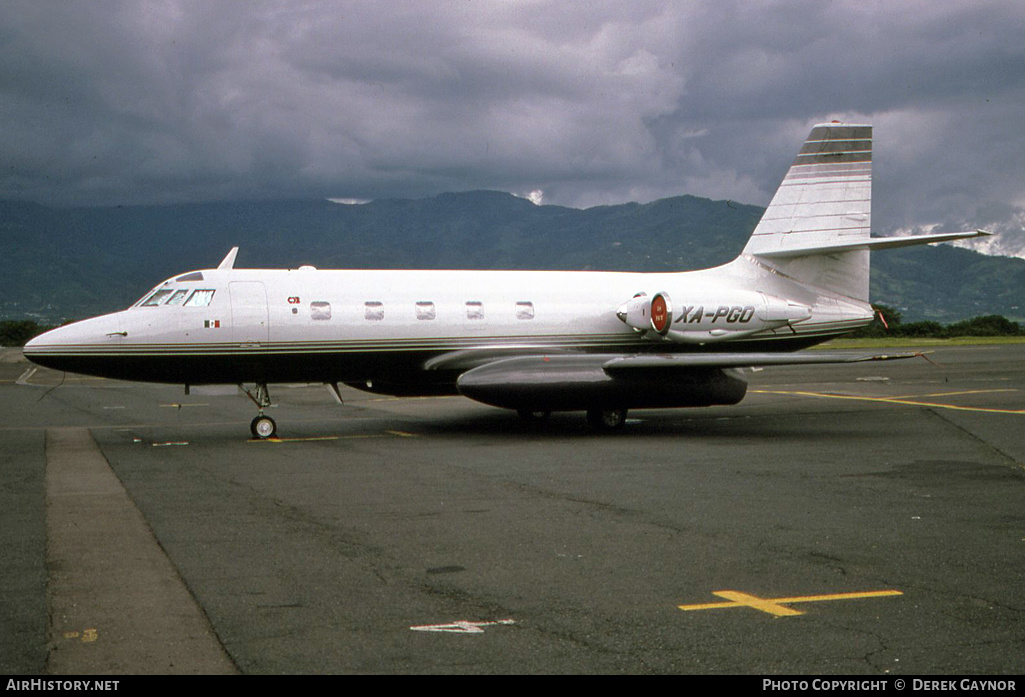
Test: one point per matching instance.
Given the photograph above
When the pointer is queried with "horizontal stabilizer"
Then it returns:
(873, 243)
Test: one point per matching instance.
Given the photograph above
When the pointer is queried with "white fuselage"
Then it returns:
(250, 325)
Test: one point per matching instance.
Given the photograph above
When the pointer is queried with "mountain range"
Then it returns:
(60, 263)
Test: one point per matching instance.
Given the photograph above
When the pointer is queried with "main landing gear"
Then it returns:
(263, 426)
(606, 419)
(599, 419)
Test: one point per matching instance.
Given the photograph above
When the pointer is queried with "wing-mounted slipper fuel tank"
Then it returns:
(709, 317)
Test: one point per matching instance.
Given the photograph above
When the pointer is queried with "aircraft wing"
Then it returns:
(623, 364)
(573, 381)
(611, 363)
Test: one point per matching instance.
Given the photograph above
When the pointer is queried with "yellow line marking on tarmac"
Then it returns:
(902, 400)
(386, 434)
(86, 636)
(962, 392)
(302, 440)
(777, 606)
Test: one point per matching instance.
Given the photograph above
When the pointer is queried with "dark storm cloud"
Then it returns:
(602, 102)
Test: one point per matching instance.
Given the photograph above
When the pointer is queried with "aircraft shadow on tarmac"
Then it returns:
(660, 424)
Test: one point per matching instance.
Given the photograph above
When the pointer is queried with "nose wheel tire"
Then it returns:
(606, 419)
(263, 427)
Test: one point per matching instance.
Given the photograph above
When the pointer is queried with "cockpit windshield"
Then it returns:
(177, 298)
(169, 297)
(157, 298)
(200, 298)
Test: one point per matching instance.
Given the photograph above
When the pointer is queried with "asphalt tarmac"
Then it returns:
(865, 519)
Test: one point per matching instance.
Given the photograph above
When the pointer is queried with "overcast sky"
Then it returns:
(583, 103)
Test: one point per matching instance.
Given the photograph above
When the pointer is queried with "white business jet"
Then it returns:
(532, 341)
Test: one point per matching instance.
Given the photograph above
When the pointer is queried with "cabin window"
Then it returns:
(373, 310)
(425, 310)
(524, 310)
(320, 310)
(177, 298)
(156, 298)
(474, 310)
(194, 276)
(200, 298)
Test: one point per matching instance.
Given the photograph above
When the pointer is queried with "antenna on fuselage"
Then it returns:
(229, 261)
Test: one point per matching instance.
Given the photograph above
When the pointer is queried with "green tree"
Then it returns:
(18, 332)
(988, 325)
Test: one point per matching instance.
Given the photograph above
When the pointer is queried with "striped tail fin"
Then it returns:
(817, 227)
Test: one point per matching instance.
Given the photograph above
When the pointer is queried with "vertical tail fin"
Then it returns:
(823, 205)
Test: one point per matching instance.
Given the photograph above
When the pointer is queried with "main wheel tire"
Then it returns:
(263, 427)
(606, 419)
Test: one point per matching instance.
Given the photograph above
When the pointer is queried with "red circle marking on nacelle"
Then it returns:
(661, 313)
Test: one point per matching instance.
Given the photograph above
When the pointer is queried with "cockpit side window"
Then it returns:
(200, 298)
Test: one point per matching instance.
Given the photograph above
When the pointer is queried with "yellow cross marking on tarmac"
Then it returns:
(904, 400)
(778, 606)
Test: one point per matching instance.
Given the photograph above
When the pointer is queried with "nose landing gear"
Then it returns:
(263, 426)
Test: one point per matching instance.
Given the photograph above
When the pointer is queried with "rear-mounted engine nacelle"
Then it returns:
(646, 314)
(709, 317)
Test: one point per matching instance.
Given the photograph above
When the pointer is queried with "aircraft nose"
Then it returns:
(40, 350)
(42, 341)
(74, 339)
